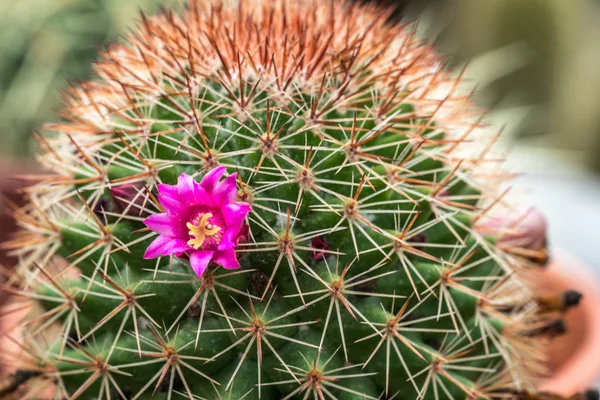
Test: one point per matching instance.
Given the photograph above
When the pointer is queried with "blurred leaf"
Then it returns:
(44, 44)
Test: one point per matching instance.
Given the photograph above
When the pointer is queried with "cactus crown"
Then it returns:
(320, 187)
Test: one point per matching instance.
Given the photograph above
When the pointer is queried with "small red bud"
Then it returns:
(124, 195)
(318, 244)
(244, 235)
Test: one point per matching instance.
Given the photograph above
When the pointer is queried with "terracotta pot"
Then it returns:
(574, 357)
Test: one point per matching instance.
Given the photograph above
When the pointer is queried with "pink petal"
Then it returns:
(185, 184)
(169, 199)
(160, 223)
(168, 190)
(227, 259)
(225, 191)
(229, 239)
(177, 247)
(164, 246)
(199, 261)
(191, 192)
(156, 248)
(209, 180)
(235, 213)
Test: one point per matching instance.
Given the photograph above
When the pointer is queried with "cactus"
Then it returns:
(274, 200)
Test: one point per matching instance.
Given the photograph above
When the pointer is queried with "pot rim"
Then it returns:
(582, 369)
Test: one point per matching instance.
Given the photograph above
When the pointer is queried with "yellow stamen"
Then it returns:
(201, 231)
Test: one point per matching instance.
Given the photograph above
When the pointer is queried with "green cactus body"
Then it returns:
(362, 274)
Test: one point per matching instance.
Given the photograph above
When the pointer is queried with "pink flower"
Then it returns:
(201, 220)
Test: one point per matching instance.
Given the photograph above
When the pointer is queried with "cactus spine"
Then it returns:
(365, 268)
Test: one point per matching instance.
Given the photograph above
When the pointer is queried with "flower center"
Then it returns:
(201, 229)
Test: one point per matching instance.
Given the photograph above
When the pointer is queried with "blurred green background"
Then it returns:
(44, 45)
